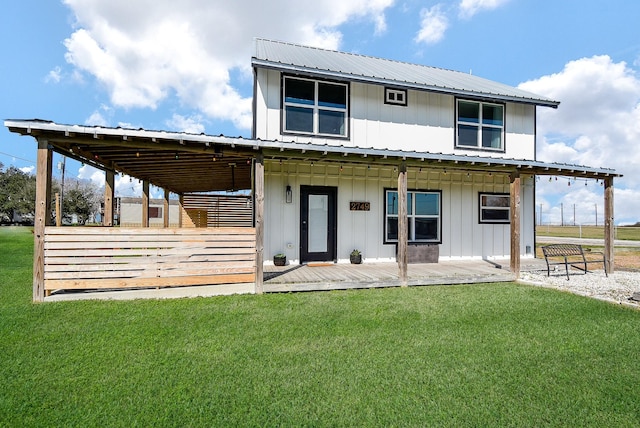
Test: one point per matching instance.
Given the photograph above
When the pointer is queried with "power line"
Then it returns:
(17, 157)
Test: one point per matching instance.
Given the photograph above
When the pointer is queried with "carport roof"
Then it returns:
(183, 162)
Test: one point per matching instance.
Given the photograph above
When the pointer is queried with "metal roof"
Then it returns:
(183, 162)
(295, 58)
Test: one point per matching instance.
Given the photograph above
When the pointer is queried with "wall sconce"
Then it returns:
(288, 195)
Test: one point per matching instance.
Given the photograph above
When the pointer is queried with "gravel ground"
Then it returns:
(617, 288)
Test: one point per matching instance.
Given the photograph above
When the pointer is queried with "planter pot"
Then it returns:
(279, 261)
(356, 260)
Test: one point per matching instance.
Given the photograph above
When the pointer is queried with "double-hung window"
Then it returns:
(480, 125)
(494, 208)
(423, 212)
(315, 107)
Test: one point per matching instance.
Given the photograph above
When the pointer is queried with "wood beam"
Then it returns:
(258, 195)
(109, 186)
(608, 224)
(145, 203)
(403, 222)
(165, 214)
(514, 188)
(42, 210)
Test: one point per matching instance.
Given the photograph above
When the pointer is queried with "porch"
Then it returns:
(325, 277)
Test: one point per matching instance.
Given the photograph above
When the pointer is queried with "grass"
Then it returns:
(477, 355)
(590, 232)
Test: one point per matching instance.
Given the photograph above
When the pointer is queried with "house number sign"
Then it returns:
(360, 206)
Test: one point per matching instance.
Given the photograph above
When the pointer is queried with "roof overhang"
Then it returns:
(183, 162)
(336, 75)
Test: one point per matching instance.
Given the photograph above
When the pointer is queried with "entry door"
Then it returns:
(318, 219)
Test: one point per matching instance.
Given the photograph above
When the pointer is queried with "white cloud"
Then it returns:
(192, 125)
(147, 50)
(597, 124)
(468, 8)
(54, 75)
(434, 23)
(96, 119)
(28, 169)
(96, 176)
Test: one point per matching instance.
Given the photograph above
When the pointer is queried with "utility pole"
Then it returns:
(61, 167)
(574, 214)
(540, 219)
(596, 214)
(561, 214)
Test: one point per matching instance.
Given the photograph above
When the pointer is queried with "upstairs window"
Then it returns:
(395, 96)
(315, 107)
(480, 125)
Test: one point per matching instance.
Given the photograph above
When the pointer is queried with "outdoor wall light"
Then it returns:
(288, 195)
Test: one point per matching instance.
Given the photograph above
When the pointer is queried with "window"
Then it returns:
(494, 208)
(395, 96)
(480, 125)
(315, 107)
(423, 211)
(155, 212)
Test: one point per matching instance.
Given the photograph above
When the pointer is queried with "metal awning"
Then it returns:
(183, 162)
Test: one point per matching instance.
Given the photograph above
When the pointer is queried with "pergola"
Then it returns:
(183, 163)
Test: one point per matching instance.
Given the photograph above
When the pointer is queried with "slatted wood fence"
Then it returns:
(100, 258)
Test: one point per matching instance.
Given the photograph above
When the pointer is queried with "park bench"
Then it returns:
(571, 255)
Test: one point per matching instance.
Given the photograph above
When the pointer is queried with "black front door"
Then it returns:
(318, 223)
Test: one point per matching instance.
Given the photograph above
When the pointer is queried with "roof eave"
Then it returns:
(292, 68)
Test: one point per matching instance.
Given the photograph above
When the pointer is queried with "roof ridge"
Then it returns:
(299, 45)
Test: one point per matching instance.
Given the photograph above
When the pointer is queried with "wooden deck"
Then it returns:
(296, 278)
(376, 275)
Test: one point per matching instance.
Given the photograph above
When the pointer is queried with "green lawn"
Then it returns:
(591, 232)
(477, 355)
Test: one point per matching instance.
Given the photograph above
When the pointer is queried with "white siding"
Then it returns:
(426, 124)
(463, 237)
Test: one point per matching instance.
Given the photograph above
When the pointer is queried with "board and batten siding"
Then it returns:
(426, 124)
(463, 237)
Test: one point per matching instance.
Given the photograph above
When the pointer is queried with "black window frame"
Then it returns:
(315, 107)
(411, 217)
(482, 208)
(480, 125)
(395, 91)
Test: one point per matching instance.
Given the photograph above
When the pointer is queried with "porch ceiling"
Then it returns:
(183, 163)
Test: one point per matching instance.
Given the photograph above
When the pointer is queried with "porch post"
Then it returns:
(165, 214)
(109, 180)
(608, 223)
(42, 216)
(258, 195)
(145, 203)
(514, 186)
(403, 223)
(180, 210)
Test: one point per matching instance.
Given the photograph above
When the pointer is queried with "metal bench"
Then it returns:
(572, 256)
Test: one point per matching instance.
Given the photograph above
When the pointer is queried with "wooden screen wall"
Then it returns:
(100, 258)
(221, 210)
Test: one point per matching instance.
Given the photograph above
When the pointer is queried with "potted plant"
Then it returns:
(355, 257)
(279, 259)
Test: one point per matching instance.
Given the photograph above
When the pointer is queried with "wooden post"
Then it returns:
(58, 213)
(180, 210)
(42, 216)
(403, 223)
(608, 223)
(515, 223)
(145, 203)
(109, 181)
(165, 214)
(258, 195)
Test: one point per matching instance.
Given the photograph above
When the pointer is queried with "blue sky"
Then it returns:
(163, 64)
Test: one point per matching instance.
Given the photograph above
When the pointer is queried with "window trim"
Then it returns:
(316, 108)
(480, 125)
(394, 91)
(482, 208)
(438, 240)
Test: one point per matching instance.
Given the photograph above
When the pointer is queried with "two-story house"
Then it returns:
(461, 202)
(399, 161)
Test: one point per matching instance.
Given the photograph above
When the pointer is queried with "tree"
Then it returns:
(82, 198)
(17, 193)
